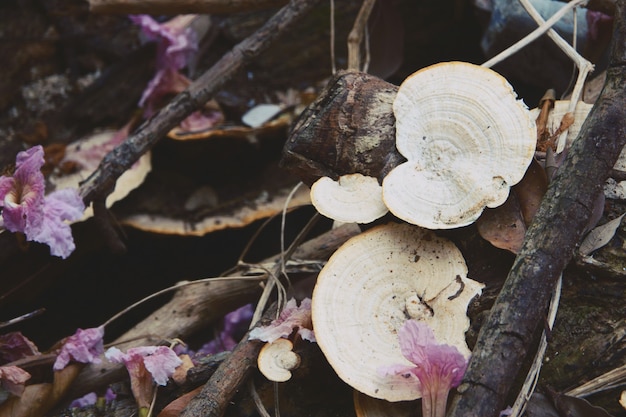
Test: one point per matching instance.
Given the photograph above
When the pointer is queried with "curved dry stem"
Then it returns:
(358, 34)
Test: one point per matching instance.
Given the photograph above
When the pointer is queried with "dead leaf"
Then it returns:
(174, 408)
(600, 236)
(576, 407)
(180, 374)
(530, 191)
(503, 226)
(37, 399)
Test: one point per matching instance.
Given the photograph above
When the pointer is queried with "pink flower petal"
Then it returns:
(438, 367)
(15, 345)
(84, 346)
(85, 401)
(21, 195)
(26, 210)
(292, 317)
(59, 207)
(160, 361)
(13, 379)
(162, 364)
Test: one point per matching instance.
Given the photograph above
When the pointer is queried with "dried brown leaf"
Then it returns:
(174, 408)
(37, 399)
(503, 226)
(530, 190)
(600, 236)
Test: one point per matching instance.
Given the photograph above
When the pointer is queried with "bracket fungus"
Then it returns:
(467, 139)
(276, 360)
(354, 198)
(369, 288)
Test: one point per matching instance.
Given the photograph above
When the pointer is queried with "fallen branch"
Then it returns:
(504, 339)
(193, 307)
(102, 181)
(229, 376)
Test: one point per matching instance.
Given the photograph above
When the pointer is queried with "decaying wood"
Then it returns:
(194, 307)
(181, 6)
(102, 181)
(349, 128)
(549, 245)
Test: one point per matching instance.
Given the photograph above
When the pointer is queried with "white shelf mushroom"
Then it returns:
(354, 198)
(467, 140)
(369, 288)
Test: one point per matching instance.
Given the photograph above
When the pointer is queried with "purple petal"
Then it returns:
(21, 195)
(292, 317)
(15, 345)
(13, 379)
(114, 355)
(84, 346)
(160, 361)
(162, 364)
(59, 207)
(85, 401)
(414, 337)
(175, 43)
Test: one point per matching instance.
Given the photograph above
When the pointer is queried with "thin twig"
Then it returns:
(229, 376)
(610, 379)
(332, 37)
(545, 26)
(583, 65)
(357, 34)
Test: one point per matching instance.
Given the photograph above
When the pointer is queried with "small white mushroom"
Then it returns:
(354, 198)
(467, 140)
(371, 286)
(276, 360)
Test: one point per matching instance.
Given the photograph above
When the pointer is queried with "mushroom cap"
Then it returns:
(370, 287)
(354, 198)
(467, 140)
(276, 360)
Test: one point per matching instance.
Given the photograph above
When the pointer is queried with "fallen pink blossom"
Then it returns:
(84, 346)
(13, 379)
(26, 208)
(438, 367)
(292, 317)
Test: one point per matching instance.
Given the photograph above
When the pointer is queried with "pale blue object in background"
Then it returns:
(540, 64)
